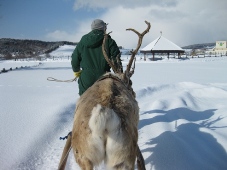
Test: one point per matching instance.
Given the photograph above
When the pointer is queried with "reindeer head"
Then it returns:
(127, 74)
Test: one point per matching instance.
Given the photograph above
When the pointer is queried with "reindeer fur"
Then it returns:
(105, 126)
(106, 120)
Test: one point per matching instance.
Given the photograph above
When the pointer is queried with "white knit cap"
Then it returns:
(98, 24)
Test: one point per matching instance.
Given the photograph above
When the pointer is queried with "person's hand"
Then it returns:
(77, 74)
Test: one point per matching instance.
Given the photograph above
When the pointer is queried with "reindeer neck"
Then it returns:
(114, 77)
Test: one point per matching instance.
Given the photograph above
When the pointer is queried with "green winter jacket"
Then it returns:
(88, 56)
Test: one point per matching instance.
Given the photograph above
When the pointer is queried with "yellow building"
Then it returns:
(220, 48)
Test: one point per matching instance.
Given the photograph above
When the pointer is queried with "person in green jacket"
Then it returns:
(88, 62)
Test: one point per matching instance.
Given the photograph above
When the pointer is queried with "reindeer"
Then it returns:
(106, 120)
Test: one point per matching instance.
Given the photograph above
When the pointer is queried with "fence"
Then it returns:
(5, 70)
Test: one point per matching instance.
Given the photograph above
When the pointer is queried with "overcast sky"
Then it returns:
(184, 22)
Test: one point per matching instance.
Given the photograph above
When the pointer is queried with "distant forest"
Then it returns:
(199, 46)
(16, 48)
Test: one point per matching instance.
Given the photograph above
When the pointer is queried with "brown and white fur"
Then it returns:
(105, 126)
(106, 120)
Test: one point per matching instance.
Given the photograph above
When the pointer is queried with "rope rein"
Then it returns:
(68, 81)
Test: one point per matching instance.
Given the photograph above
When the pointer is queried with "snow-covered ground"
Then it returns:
(63, 51)
(183, 113)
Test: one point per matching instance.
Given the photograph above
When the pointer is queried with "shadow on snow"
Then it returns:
(187, 147)
(56, 129)
(176, 114)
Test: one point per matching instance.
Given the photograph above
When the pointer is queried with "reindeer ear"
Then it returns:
(133, 68)
(119, 64)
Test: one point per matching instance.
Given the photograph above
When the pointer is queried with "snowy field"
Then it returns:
(183, 113)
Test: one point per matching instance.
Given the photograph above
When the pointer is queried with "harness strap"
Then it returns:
(112, 77)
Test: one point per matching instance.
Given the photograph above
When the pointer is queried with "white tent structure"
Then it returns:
(162, 45)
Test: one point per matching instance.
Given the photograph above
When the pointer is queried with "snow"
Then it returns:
(182, 102)
(161, 44)
(63, 51)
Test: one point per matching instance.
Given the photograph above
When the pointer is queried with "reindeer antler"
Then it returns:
(111, 64)
(134, 52)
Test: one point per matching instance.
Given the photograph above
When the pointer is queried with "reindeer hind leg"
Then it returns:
(118, 156)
